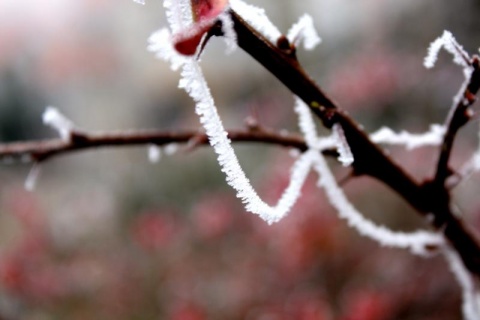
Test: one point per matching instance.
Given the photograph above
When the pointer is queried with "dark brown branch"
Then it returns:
(369, 158)
(428, 198)
(42, 150)
(460, 115)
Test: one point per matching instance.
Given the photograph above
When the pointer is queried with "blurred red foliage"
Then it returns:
(153, 230)
(218, 262)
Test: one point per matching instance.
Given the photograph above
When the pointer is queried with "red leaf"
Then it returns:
(204, 13)
(207, 9)
(186, 42)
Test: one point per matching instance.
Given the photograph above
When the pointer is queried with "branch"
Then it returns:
(427, 198)
(369, 158)
(461, 114)
(39, 151)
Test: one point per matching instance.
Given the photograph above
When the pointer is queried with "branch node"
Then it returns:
(78, 138)
(286, 47)
(252, 124)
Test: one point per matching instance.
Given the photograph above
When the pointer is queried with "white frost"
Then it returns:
(194, 83)
(229, 34)
(140, 1)
(306, 124)
(170, 149)
(179, 14)
(345, 155)
(475, 161)
(53, 118)
(32, 177)
(448, 42)
(304, 30)
(154, 153)
(417, 242)
(256, 17)
(471, 297)
(433, 137)
(160, 43)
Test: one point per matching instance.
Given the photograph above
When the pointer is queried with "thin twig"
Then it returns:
(38, 151)
(461, 114)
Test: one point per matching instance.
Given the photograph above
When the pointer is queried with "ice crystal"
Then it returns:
(306, 124)
(160, 42)
(345, 155)
(53, 118)
(194, 83)
(257, 18)
(433, 137)
(32, 177)
(179, 14)
(448, 42)
(170, 149)
(471, 297)
(304, 31)
(417, 242)
(154, 153)
(229, 34)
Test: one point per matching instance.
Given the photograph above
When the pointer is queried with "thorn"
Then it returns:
(77, 137)
(32, 177)
(194, 142)
(471, 98)
(215, 30)
(283, 43)
(453, 180)
(252, 123)
(286, 47)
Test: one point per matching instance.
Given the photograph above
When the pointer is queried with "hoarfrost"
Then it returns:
(471, 297)
(304, 30)
(257, 18)
(170, 149)
(154, 153)
(194, 83)
(32, 177)
(345, 155)
(229, 34)
(179, 14)
(54, 119)
(160, 43)
(417, 242)
(433, 137)
(306, 124)
(448, 42)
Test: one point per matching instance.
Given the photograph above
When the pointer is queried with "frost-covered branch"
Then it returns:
(426, 197)
(471, 297)
(460, 114)
(39, 151)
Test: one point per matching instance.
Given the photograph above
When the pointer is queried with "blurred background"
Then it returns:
(108, 235)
